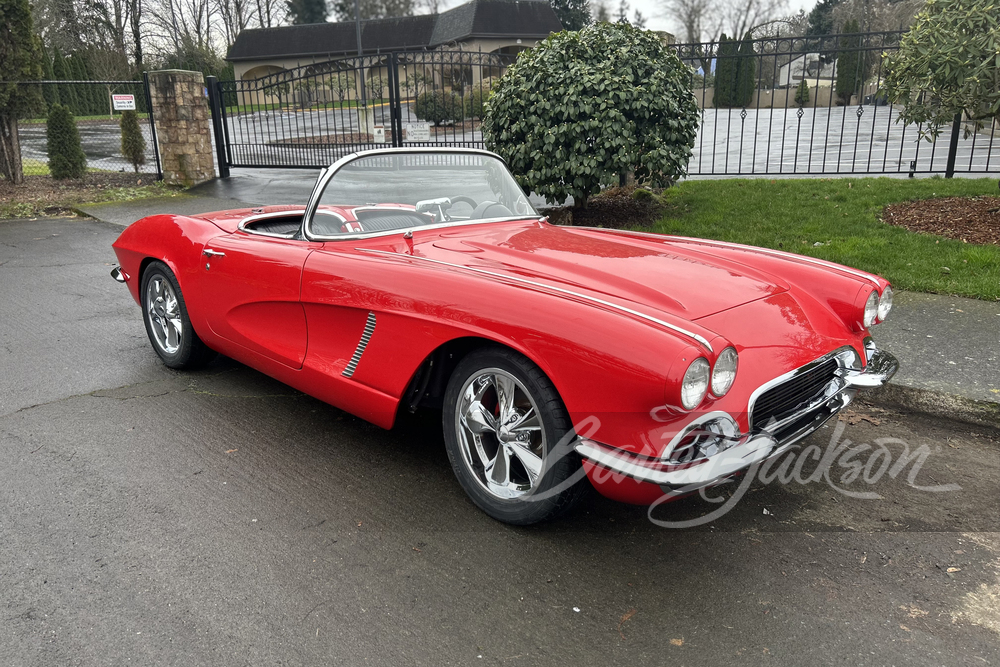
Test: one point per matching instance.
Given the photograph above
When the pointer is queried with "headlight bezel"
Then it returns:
(729, 352)
(702, 367)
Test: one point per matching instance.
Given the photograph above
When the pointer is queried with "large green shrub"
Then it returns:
(66, 158)
(439, 107)
(585, 109)
(948, 64)
(133, 143)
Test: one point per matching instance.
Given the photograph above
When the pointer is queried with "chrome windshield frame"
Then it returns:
(327, 175)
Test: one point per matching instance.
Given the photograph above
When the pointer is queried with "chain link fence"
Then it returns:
(92, 104)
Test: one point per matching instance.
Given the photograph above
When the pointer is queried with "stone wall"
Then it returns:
(183, 126)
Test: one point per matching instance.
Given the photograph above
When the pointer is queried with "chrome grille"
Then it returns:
(781, 400)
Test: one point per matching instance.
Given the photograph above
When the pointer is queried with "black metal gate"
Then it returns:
(312, 115)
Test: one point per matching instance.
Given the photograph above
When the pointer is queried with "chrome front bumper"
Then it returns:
(742, 451)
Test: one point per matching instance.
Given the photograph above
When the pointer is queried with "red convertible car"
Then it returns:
(420, 278)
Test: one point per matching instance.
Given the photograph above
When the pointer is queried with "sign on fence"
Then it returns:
(418, 131)
(123, 102)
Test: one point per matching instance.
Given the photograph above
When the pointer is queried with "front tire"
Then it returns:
(167, 323)
(509, 438)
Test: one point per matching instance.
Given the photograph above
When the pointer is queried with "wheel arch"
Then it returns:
(427, 384)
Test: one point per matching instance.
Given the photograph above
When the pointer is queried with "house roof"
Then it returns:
(528, 19)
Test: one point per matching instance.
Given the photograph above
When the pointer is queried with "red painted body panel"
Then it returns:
(296, 310)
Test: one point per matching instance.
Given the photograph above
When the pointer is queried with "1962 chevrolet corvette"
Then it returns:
(423, 278)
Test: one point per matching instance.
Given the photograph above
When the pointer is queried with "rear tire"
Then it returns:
(510, 439)
(167, 323)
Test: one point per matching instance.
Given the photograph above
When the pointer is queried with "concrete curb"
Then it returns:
(936, 404)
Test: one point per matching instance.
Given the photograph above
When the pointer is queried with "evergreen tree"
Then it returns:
(821, 18)
(51, 93)
(78, 73)
(306, 11)
(133, 143)
(849, 63)
(61, 72)
(802, 93)
(746, 73)
(725, 73)
(573, 14)
(66, 158)
(20, 60)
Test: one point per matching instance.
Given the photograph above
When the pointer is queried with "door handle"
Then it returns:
(213, 253)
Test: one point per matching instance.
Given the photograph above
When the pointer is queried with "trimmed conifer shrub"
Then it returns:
(66, 158)
(802, 94)
(133, 143)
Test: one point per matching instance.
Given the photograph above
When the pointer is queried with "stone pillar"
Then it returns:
(183, 126)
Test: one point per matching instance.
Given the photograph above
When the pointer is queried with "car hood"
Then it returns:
(676, 279)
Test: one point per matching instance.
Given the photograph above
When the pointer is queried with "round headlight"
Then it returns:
(871, 309)
(724, 372)
(885, 304)
(695, 383)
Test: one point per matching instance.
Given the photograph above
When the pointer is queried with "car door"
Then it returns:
(252, 288)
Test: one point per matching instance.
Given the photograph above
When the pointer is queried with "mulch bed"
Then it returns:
(44, 189)
(614, 208)
(969, 219)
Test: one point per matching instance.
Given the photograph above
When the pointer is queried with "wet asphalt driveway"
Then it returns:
(218, 518)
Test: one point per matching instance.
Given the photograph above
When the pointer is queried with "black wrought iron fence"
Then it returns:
(312, 115)
(814, 106)
(776, 106)
(98, 121)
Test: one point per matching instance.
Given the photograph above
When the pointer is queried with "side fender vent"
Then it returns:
(366, 336)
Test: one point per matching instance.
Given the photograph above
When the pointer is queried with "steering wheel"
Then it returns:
(468, 200)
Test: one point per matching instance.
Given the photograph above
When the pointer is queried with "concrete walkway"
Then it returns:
(948, 347)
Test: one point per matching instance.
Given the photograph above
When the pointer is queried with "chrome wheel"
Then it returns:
(164, 314)
(500, 434)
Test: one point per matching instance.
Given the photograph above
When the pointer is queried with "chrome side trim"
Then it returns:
(524, 281)
(366, 336)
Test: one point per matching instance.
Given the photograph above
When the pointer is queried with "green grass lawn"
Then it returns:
(842, 214)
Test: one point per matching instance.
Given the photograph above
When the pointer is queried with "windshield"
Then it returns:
(395, 191)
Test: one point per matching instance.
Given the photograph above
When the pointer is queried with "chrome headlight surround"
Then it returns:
(870, 315)
(724, 372)
(694, 386)
(885, 303)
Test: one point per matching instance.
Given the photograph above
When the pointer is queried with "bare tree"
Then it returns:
(235, 16)
(705, 20)
(744, 15)
(877, 15)
(270, 12)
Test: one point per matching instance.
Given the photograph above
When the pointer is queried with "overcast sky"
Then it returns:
(657, 20)
(654, 13)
